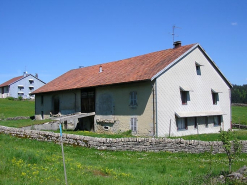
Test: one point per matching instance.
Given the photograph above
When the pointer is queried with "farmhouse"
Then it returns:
(174, 92)
(21, 86)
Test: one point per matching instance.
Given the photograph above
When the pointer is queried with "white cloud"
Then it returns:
(234, 23)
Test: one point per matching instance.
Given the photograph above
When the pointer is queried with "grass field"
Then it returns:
(13, 108)
(25, 161)
(239, 115)
(240, 135)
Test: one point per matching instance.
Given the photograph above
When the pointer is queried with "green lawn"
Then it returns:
(25, 161)
(22, 122)
(240, 134)
(13, 108)
(239, 115)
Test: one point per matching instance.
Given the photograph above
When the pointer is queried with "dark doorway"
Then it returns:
(86, 123)
(87, 100)
(56, 104)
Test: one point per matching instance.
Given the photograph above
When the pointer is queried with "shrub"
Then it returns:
(232, 148)
(20, 98)
(10, 98)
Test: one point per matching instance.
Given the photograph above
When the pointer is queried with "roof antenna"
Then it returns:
(173, 32)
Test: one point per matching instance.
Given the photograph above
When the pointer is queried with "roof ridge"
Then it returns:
(132, 57)
(133, 69)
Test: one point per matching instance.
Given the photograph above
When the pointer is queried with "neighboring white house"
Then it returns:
(21, 86)
(172, 92)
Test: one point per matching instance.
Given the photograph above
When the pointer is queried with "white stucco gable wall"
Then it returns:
(183, 74)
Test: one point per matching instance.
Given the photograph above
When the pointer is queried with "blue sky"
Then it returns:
(51, 37)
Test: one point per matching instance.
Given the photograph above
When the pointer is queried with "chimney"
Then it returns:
(177, 44)
(36, 75)
(25, 74)
(100, 69)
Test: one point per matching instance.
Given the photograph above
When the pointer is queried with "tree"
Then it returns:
(231, 147)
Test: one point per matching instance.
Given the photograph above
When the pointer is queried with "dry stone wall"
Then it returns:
(122, 144)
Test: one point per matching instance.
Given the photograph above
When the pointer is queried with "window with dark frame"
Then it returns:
(133, 99)
(184, 97)
(215, 98)
(198, 69)
(182, 123)
(217, 120)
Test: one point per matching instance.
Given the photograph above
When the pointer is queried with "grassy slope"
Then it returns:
(239, 115)
(10, 108)
(25, 161)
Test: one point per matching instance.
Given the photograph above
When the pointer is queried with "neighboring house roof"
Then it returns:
(11, 81)
(139, 68)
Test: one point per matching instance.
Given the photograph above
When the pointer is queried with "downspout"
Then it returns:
(230, 108)
(156, 116)
(153, 110)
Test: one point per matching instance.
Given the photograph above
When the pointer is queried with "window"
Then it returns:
(206, 120)
(196, 123)
(215, 98)
(31, 81)
(133, 124)
(217, 120)
(20, 87)
(198, 68)
(182, 123)
(184, 97)
(133, 99)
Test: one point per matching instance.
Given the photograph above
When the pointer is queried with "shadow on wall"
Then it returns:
(120, 104)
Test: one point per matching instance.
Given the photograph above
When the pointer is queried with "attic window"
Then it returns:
(198, 68)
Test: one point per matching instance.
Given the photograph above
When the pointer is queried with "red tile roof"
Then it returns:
(10, 81)
(139, 68)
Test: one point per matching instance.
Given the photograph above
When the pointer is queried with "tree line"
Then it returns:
(239, 94)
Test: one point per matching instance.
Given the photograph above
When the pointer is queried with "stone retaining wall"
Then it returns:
(239, 126)
(239, 104)
(123, 144)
